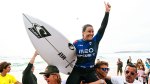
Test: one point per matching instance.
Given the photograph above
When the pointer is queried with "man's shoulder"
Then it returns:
(9, 75)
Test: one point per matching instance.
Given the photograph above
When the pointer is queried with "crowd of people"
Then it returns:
(85, 71)
(135, 73)
(143, 69)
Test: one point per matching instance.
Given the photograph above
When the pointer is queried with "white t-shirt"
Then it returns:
(141, 73)
(121, 80)
(63, 82)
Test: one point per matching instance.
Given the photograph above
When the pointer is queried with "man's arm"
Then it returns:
(33, 57)
(30, 65)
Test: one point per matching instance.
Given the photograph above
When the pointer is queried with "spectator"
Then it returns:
(119, 66)
(28, 76)
(6, 78)
(130, 76)
(129, 60)
(51, 75)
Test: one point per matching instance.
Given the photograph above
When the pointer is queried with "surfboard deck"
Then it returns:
(51, 45)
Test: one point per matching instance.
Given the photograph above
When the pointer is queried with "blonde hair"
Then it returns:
(58, 79)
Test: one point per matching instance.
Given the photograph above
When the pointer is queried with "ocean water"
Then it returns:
(19, 63)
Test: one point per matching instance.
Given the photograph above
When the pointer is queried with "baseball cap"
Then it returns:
(50, 69)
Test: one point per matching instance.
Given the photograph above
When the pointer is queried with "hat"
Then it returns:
(50, 69)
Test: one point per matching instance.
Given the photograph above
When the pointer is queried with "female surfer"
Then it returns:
(86, 51)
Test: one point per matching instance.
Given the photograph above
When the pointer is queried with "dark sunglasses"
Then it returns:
(47, 75)
(132, 73)
(105, 69)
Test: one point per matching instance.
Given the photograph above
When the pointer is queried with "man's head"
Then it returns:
(5, 67)
(102, 68)
(130, 72)
(51, 75)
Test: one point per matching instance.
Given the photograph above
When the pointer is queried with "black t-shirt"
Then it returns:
(28, 76)
(108, 81)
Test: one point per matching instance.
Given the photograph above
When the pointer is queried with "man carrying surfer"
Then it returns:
(86, 51)
(102, 70)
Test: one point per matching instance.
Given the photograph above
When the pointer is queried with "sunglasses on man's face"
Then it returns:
(105, 69)
(132, 73)
(47, 75)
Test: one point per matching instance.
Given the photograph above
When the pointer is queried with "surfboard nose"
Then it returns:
(53, 47)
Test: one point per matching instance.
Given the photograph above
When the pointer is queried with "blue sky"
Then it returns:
(128, 27)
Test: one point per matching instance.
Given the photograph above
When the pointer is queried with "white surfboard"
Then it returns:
(52, 46)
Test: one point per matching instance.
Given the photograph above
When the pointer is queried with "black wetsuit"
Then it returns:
(119, 67)
(28, 76)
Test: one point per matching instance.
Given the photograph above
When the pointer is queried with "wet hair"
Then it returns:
(98, 64)
(132, 65)
(4, 65)
(85, 26)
